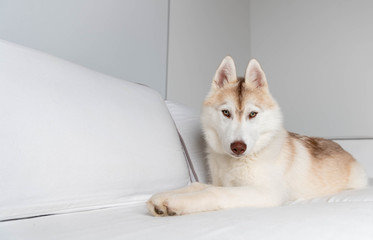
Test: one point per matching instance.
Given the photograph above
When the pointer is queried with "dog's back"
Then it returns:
(319, 167)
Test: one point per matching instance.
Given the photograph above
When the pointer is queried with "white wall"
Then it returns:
(201, 34)
(318, 60)
(126, 39)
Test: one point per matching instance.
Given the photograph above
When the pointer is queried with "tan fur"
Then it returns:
(240, 92)
(330, 164)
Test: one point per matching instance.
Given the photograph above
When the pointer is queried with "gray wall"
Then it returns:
(317, 54)
(126, 39)
(318, 60)
(201, 34)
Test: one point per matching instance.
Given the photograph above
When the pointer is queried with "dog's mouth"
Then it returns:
(237, 156)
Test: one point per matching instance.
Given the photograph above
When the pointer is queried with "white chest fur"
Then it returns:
(231, 172)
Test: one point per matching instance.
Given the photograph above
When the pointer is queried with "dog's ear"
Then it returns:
(226, 72)
(254, 76)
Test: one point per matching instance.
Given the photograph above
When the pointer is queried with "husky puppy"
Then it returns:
(253, 160)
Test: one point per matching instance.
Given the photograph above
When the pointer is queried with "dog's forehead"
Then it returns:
(240, 96)
(258, 97)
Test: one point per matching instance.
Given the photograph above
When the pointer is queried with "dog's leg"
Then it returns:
(155, 203)
(213, 198)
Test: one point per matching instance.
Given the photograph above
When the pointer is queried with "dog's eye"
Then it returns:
(226, 113)
(252, 115)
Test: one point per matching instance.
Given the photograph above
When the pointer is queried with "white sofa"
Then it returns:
(81, 152)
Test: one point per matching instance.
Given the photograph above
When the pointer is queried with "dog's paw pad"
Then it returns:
(154, 209)
(171, 213)
(158, 211)
(161, 208)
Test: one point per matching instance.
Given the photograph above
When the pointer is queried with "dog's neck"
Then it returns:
(268, 145)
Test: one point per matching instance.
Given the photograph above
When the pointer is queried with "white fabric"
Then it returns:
(188, 123)
(72, 138)
(319, 219)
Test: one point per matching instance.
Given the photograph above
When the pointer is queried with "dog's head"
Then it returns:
(239, 115)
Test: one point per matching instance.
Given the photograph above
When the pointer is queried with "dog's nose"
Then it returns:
(238, 147)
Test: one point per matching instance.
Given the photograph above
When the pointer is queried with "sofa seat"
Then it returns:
(348, 215)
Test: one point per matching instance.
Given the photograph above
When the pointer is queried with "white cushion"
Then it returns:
(188, 123)
(72, 138)
(314, 221)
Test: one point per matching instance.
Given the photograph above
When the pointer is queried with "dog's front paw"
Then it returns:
(162, 204)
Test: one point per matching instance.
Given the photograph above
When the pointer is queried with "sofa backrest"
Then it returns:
(72, 138)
